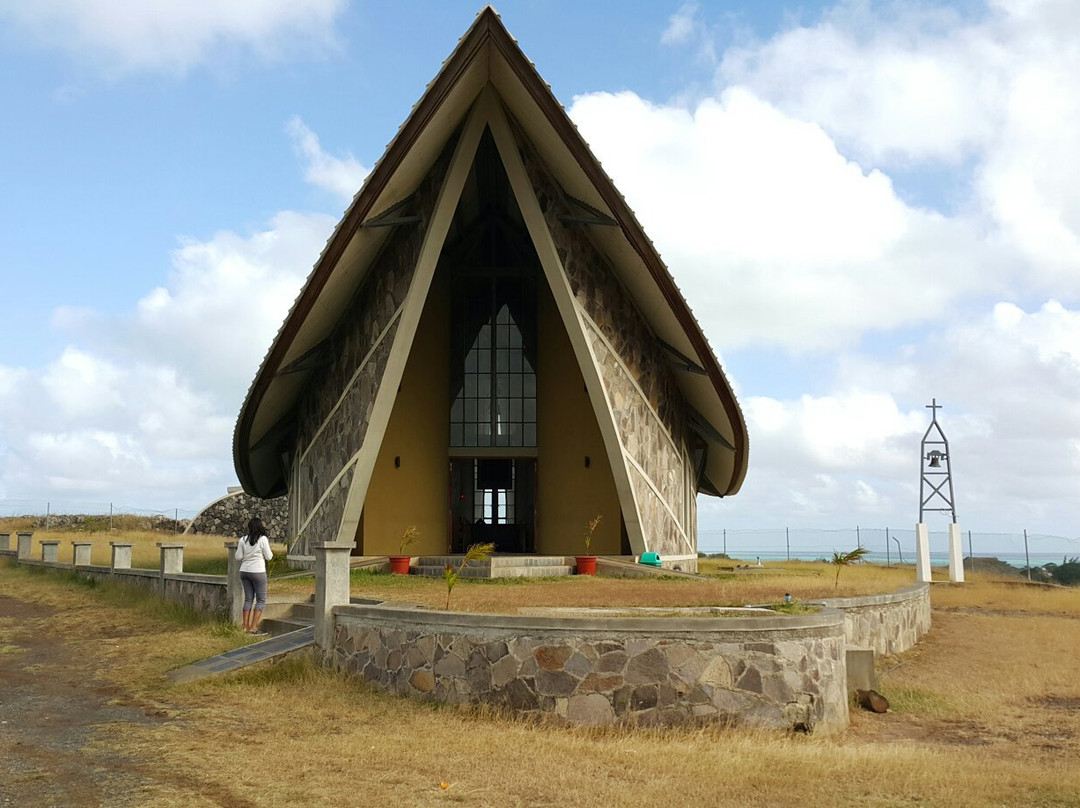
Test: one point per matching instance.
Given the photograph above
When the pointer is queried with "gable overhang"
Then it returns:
(485, 57)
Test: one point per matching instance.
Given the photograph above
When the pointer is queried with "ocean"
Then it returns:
(936, 559)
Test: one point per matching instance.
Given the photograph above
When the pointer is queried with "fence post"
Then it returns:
(172, 561)
(25, 541)
(80, 553)
(121, 555)
(331, 587)
(234, 591)
(1027, 557)
(787, 537)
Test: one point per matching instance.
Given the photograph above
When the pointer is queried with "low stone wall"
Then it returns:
(229, 516)
(208, 594)
(783, 672)
(890, 624)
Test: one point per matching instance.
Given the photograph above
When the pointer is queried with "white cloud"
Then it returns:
(917, 85)
(172, 35)
(682, 25)
(1009, 381)
(772, 233)
(341, 176)
(140, 406)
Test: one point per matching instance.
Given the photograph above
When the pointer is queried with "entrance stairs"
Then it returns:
(503, 565)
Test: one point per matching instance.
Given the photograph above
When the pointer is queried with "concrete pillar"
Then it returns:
(234, 590)
(922, 553)
(331, 587)
(50, 552)
(121, 555)
(5, 541)
(172, 557)
(25, 541)
(80, 553)
(956, 554)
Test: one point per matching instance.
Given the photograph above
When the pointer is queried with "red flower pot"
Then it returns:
(400, 564)
(586, 565)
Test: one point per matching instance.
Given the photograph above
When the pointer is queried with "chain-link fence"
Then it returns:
(886, 545)
(71, 514)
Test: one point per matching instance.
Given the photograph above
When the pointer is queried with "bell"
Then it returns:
(935, 459)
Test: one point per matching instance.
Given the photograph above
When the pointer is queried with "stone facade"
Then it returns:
(890, 624)
(648, 408)
(334, 412)
(773, 672)
(229, 516)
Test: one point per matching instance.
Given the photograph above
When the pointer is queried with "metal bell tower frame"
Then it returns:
(936, 472)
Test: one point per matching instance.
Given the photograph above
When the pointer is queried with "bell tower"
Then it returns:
(936, 496)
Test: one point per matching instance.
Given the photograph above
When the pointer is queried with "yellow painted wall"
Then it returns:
(569, 494)
(419, 434)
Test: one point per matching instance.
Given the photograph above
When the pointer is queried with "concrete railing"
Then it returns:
(215, 594)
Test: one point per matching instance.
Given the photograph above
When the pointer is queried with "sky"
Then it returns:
(868, 205)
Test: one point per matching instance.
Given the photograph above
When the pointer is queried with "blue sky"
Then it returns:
(866, 204)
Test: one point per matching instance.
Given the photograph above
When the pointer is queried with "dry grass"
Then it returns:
(803, 580)
(985, 713)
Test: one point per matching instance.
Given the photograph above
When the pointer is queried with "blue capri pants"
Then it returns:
(254, 590)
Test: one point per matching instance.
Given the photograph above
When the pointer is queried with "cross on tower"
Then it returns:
(933, 406)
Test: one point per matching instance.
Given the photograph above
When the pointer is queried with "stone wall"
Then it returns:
(646, 403)
(890, 624)
(778, 672)
(334, 412)
(229, 516)
(207, 594)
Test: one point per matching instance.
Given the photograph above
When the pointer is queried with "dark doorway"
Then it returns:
(493, 500)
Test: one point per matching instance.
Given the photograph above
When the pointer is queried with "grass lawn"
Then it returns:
(985, 711)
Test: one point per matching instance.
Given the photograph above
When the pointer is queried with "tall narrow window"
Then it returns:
(493, 401)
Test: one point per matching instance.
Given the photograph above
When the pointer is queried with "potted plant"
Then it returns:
(586, 564)
(400, 563)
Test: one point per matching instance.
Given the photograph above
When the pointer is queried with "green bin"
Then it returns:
(652, 559)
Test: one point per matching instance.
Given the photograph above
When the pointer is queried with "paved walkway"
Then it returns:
(248, 655)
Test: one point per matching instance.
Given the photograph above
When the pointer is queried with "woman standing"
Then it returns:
(253, 551)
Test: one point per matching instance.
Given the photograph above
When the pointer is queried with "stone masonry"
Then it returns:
(334, 412)
(229, 516)
(774, 672)
(889, 624)
(641, 389)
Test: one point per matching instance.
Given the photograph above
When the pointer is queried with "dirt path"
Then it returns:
(53, 710)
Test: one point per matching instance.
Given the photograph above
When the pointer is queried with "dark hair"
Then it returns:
(255, 530)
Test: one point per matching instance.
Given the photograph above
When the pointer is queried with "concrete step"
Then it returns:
(503, 565)
(276, 626)
(508, 560)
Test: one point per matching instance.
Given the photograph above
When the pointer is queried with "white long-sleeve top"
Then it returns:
(253, 557)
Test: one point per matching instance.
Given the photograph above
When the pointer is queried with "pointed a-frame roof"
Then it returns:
(486, 82)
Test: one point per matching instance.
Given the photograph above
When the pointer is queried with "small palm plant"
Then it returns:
(476, 552)
(408, 538)
(590, 528)
(842, 560)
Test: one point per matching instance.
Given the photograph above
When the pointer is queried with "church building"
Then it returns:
(489, 348)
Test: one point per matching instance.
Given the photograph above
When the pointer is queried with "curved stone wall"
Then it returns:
(229, 516)
(890, 624)
(782, 672)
